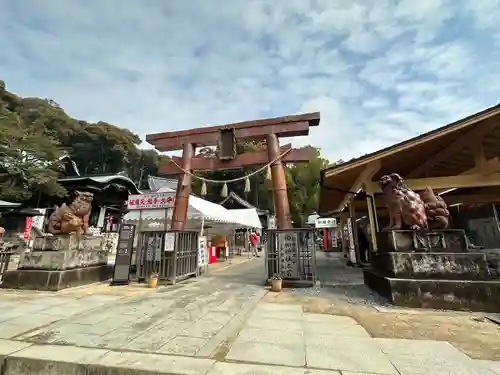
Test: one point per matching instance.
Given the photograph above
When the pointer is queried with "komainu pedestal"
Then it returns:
(59, 262)
(433, 270)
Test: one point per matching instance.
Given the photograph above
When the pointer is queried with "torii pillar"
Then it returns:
(226, 137)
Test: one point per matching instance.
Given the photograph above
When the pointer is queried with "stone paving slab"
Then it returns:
(8, 347)
(416, 357)
(267, 353)
(145, 364)
(49, 359)
(192, 320)
(347, 354)
(493, 366)
(274, 335)
(246, 369)
(56, 360)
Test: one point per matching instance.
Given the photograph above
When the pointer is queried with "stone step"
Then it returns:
(465, 295)
(20, 358)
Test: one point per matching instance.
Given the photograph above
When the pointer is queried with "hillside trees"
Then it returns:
(36, 132)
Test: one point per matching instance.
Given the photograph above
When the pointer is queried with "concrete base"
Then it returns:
(468, 295)
(444, 240)
(444, 266)
(288, 283)
(52, 280)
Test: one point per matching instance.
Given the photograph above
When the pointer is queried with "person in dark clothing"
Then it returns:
(364, 245)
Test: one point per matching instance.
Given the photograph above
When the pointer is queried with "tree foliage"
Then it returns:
(36, 132)
(303, 186)
(28, 156)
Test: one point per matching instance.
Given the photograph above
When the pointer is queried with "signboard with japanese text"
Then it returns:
(326, 222)
(39, 221)
(151, 201)
(27, 228)
(121, 271)
(169, 242)
(288, 255)
(271, 222)
(202, 251)
(352, 246)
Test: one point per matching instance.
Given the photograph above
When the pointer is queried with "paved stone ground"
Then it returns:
(212, 325)
(284, 335)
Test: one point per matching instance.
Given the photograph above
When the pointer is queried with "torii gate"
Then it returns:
(226, 137)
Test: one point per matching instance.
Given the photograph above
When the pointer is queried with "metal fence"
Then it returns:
(172, 255)
(4, 261)
(291, 254)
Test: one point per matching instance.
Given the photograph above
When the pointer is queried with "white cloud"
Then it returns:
(379, 72)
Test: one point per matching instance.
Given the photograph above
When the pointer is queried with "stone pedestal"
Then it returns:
(59, 262)
(433, 271)
(446, 240)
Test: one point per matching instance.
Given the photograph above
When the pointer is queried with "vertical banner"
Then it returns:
(288, 254)
(202, 251)
(352, 246)
(27, 228)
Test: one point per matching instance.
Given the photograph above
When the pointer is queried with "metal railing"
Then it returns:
(291, 254)
(5, 256)
(186, 254)
(171, 266)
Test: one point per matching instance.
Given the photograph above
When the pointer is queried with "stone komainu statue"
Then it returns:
(435, 209)
(73, 218)
(406, 207)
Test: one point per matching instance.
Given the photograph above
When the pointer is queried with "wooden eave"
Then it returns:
(447, 151)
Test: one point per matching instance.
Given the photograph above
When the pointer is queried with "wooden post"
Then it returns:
(373, 227)
(352, 214)
(281, 205)
(183, 190)
(343, 237)
(372, 217)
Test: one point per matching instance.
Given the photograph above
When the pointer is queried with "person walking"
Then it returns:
(253, 238)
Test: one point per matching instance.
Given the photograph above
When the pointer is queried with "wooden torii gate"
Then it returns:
(226, 137)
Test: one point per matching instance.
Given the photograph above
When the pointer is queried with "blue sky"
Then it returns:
(379, 71)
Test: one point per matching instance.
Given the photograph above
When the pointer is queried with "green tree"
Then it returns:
(303, 186)
(28, 157)
(35, 132)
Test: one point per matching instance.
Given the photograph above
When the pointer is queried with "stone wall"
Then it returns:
(453, 266)
(64, 252)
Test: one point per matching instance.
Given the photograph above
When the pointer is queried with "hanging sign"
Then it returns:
(352, 248)
(121, 270)
(27, 228)
(329, 222)
(288, 255)
(151, 201)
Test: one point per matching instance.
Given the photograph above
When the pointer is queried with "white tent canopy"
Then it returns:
(247, 216)
(202, 210)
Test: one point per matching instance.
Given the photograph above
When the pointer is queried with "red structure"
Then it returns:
(225, 137)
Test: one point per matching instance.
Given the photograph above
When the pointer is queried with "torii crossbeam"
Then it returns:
(225, 137)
